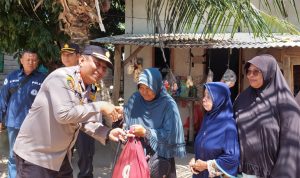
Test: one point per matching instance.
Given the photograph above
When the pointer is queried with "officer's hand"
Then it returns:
(117, 134)
(119, 109)
(110, 111)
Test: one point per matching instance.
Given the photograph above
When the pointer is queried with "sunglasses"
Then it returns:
(253, 72)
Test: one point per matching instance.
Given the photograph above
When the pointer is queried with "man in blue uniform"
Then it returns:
(16, 96)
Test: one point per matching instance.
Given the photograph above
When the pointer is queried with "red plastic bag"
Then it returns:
(132, 161)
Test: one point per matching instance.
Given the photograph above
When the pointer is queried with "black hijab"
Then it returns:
(268, 121)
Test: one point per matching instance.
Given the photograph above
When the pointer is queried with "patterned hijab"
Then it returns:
(268, 121)
(160, 116)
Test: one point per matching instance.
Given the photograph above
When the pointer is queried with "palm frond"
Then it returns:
(281, 6)
(218, 16)
(279, 25)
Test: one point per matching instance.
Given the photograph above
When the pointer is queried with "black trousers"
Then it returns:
(26, 169)
(85, 145)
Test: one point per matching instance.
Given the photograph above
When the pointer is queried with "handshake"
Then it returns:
(115, 113)
(112, 112)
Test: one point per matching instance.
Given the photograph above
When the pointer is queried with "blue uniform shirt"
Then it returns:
(15, 107)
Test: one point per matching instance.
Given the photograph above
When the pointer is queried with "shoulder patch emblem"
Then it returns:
(71, 82)
(107, 54)
(5, 81)
(34, 92)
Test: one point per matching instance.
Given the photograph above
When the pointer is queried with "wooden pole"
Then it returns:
(117, 74)
(133, 54)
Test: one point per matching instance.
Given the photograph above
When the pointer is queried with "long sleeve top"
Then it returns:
(61, 108)
(14, 107)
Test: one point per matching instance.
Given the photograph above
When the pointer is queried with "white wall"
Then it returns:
(136, 17)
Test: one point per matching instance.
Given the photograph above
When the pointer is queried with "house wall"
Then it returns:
(291, 56)
(136, 17)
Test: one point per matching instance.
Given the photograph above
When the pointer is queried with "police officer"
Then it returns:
(70, 54)
(17, 95)
(85, 144)
(64, 106)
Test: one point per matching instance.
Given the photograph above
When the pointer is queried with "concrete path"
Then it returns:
(103, 159)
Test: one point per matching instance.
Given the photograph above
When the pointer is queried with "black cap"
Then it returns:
(70, 47)
(99, 53)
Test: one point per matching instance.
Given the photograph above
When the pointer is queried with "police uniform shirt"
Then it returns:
(16, 106)
(51, 127)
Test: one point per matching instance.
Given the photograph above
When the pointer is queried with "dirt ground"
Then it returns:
(102, 160)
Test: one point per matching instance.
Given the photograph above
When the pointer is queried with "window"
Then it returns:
(159, 61)
(296, 74)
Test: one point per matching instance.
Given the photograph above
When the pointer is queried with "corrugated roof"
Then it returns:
(240, 40)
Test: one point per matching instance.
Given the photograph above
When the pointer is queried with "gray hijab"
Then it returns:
(268, 121)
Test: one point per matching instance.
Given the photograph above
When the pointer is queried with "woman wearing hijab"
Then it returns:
(268, 120)
(216, 144)
(152, 114)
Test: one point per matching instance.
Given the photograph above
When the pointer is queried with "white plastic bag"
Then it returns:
(229, 77)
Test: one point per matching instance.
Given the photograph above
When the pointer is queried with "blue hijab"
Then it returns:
(160, 116)
(217, 139)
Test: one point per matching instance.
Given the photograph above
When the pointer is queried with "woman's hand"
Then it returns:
(138, 130)
(192, 164)
(120, 109)
(200, 165)
(111, 111)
